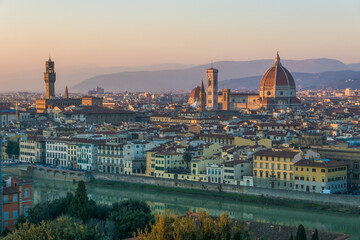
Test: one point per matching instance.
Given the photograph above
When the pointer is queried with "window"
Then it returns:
(356, 165)
(6, 215)
(15, 198)
(26, 210)
(6, 199)
(27, 193)
(15, 214)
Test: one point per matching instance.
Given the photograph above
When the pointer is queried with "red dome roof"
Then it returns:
(194, 95)
(277, 75)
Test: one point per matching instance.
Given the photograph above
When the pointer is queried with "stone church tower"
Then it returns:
(50, 78)
(212, 88)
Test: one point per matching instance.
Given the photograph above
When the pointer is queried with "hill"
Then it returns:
(186, 79)
(333, 79)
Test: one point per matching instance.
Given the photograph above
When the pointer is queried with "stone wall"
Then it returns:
(55, 174)
(66, 175)
(350, 201)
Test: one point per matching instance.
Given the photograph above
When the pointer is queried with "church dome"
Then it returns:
(277, 81)
(277, 75)
(194, 96)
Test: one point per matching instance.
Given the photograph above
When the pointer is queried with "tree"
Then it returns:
(130, 215)
(291, 236)
(300, 234)
(49, 210)
(20, 221)
(241, 232)
(315, 235)
(79, 207)
(187, 158)
(62, 229)
(193, 227)
(223, 228)
(12, 148)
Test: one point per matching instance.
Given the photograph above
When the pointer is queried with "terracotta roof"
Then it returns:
(323, 164)
(271, 153)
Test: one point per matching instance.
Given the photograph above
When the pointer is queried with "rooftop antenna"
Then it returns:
(211, 63)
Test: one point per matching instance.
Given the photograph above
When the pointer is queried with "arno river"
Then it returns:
(333, 222)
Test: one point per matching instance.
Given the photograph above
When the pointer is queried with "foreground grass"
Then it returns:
(231, 196)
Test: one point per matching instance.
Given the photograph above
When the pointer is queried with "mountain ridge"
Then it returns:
(188, 78)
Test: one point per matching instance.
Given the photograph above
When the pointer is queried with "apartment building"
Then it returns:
(274, 169)
(320, 175)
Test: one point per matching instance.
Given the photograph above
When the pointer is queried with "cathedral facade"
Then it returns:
(277, 90)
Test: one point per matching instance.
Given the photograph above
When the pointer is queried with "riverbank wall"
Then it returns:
(66, 175)
(47, 173)
(328, 199)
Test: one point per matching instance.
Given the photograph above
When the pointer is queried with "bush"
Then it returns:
(49, 210)
(128, 216)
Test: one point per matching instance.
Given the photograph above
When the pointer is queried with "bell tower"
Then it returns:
(212, 88)
(50, 78)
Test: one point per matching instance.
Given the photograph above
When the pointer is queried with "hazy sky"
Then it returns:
(144, 32)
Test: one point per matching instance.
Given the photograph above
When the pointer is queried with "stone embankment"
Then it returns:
(67, 175)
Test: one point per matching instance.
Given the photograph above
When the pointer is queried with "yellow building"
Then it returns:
(274, 169)
(150, 163)
(320, 176)
(71, 154)
(167, 161)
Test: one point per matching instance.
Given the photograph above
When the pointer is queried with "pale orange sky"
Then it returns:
(133, 33)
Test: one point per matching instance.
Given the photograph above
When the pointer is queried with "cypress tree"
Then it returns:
(291, 236)
(300, 234)
(79, 206)
(315, 235)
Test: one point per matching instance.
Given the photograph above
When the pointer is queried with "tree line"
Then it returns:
(78, 217)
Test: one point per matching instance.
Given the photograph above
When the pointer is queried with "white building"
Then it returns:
(111, 158)
(135, 155)
(56, 152)
(32, 150)
(234, 171)
(86, 154)
(214, 173)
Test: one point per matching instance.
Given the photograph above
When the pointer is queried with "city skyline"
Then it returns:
(89, 35)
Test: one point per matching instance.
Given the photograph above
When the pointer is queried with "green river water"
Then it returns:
(333, 222)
